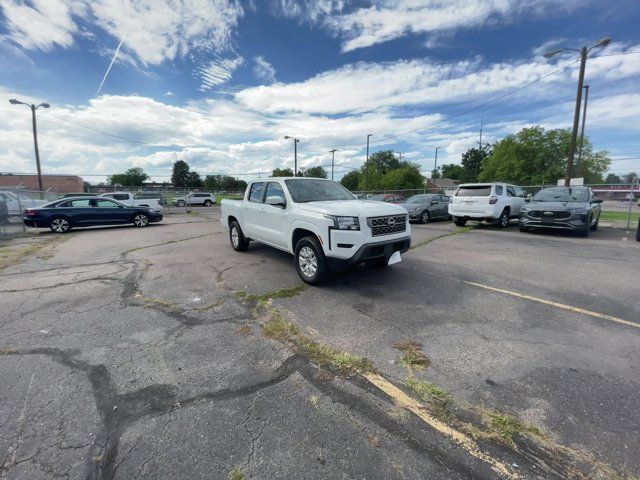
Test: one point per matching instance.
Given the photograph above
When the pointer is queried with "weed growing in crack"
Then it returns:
(428, 392)
(236, 474)
(507, 426)
(245, 330)
(282, 293)
(412, 356)
(451, 234)
(314, 401)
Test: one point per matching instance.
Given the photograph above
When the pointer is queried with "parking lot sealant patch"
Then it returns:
(450, 234)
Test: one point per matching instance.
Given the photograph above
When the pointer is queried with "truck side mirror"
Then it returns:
(276, 201)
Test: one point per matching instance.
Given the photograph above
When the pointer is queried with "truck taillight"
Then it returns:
(493, 200)
(31, 213)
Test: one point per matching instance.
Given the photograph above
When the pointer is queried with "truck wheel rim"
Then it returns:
(235, 238)
(307, 261)
(140, 220)
(60, 225)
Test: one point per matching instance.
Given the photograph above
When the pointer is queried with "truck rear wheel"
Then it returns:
(238, 241)
(310, 261)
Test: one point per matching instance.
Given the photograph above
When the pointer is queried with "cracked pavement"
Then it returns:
(126, 353)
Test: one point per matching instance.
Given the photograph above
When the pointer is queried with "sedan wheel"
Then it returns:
(424, 218)
(60, 225)
(141, 220)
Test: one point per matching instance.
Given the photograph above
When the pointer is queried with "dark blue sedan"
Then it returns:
(64, 214)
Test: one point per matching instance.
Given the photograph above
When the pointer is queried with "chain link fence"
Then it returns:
(13, 202)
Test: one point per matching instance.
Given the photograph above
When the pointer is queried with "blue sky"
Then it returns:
(219, 83)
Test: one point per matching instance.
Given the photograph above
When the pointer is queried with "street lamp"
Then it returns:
(584, 52)
(33, 108)
(333, 157)
(367, 164)
(295, 154)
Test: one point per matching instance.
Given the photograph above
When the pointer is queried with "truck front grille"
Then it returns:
(387, 225)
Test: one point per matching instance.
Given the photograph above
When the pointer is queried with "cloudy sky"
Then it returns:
(219, 83)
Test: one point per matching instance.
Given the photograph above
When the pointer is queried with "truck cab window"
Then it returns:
(255, 195)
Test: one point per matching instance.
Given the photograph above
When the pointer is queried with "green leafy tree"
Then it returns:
(612, 178)
(472, 161)
(454, 172)
(535, 156)
(282, 172)
(213, 182)
(134, 177)
(373, 171)
(405, 177)
(351, 180)
(315, 172)
(629, 177)
(194, 180)
(180, 175)
(435, 174)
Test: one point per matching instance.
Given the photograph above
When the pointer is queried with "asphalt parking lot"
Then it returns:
(142, 353)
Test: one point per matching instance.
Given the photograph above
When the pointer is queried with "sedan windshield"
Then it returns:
(417, 199)
(310, 190)
(562, 194)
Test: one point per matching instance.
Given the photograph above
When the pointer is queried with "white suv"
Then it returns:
(493, 202)
(206, 199)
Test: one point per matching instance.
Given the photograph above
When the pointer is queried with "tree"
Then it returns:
(454, 172)
(536, 156)
(180, 175)
(435, 174)
(194, 180)
(472, 161)
(86, 186)
(405, 177)
(315, 172)
(630, 177)
(282, 172)
(134, 177)
(350, 180)
(613, 178)
(213, 182)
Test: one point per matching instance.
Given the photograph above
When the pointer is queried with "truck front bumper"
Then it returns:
(370, 252)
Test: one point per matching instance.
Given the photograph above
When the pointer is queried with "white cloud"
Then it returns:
(154, 30)
(217, 72)
(263, 70)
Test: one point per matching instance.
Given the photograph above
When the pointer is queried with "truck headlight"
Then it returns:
(345, 223)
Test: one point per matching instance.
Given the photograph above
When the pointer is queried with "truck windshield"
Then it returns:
(310, 190)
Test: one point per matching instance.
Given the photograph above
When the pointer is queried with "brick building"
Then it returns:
(56, 183)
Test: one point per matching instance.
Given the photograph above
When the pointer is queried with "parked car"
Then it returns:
(638, 232)
(64, 214)
(129, 199)
(569, 208)
(491, 202)
(17, 202)
(427, 207)
(206, 199)
(320, 222)
(79, 194)
(387, 197)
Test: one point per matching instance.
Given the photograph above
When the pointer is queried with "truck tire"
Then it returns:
(238, 241)
(459, 221)
(310, 261)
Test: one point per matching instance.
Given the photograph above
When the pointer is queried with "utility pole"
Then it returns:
(295, 154)
(584, 118)
(367, 164)
(33, 108)
(480, 139)
(584, 53)
(333, 157)
(435, 165)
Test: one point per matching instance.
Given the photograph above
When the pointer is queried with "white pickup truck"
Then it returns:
(320, 222)
(129, 199)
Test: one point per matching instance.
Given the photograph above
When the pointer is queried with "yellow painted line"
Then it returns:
(467, 443)
(557, 305)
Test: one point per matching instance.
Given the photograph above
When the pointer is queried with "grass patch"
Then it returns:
(278, 327)
(149, 302)
(314, 401)
(245, 330)
(282, 293)
(620, 216)
(458, 231)
(507, 426)
(412, 356)
(14, 254)
(236, 474)
(428, 392)
(211, 306)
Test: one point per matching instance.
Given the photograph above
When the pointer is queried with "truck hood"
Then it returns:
(353, 208)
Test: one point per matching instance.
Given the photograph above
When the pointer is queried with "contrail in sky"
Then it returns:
(109, 69)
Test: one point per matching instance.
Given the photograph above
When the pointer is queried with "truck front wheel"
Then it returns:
(237, 238)
(310, 261)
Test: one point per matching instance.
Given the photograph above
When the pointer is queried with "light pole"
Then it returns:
(435, 169)
(584, 52)
(367, 164)
(584, 118)
(33, 108)
(333, 157)
(295, 154)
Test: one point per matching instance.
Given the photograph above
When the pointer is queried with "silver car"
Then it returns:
(427, 207)
(568, 208)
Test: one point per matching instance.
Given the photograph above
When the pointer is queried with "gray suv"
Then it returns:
(569, 208)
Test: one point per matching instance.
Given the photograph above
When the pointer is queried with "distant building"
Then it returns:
(447, 184)
(56, 183)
